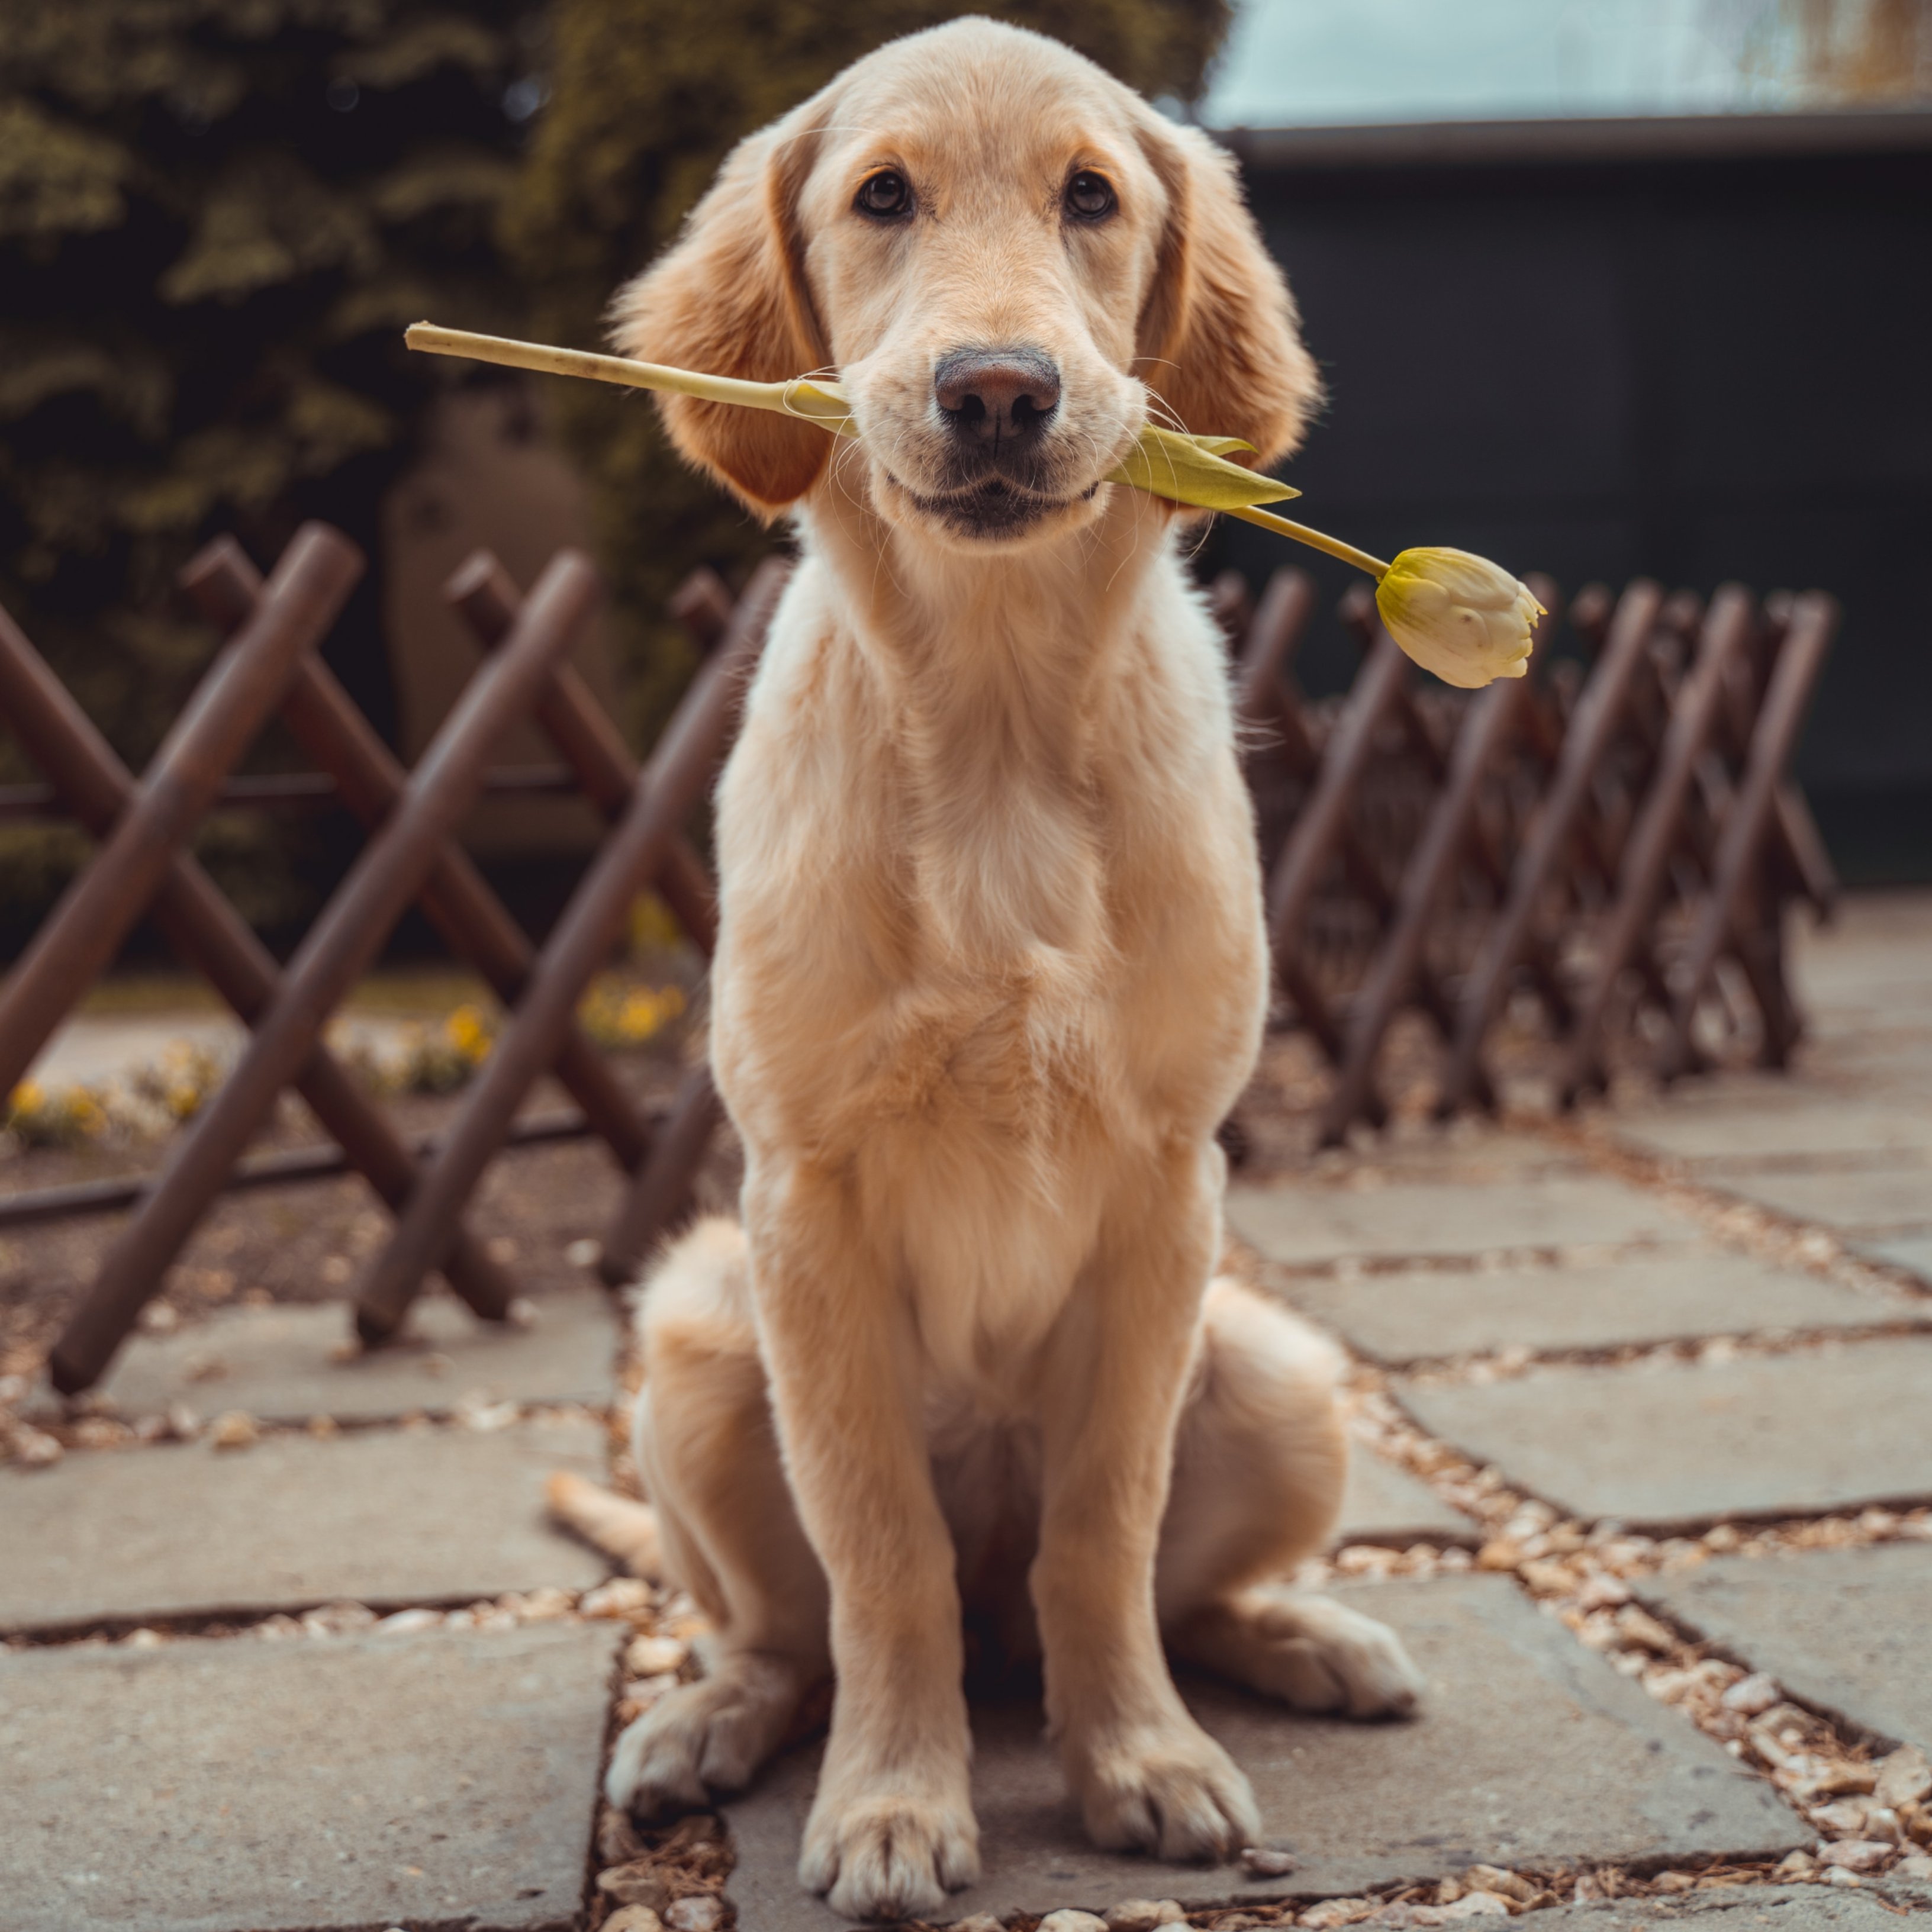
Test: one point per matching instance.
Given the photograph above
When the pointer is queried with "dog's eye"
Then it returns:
(885, 195)
(1090, 197)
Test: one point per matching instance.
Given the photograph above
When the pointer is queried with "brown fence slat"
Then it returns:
(598, 759)
(662, 1190)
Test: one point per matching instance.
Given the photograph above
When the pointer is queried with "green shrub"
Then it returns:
(215, 218)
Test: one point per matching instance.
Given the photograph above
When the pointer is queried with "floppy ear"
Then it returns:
(1219, 339)
(729, 298)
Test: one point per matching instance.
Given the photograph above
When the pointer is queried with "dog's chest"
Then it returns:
(1017, 1055)
(1006, 1113)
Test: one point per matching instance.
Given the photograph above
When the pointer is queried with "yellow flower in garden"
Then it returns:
(1460, 616)
(465, 1031)
(62, 1118)
(645, 1013)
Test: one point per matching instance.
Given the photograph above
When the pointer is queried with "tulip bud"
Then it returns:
(1461, 617)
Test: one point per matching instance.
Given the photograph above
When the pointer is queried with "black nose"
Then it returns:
(997, 396)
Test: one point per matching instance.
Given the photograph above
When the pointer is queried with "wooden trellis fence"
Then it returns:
(1619, 838)
(269, 666)
(1605, 837)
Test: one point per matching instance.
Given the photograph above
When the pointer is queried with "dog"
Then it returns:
(991, 971)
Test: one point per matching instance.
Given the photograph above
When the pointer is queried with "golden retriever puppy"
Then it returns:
(991, 969)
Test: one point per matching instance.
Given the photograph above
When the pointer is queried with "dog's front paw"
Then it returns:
(1169, 1789)
(1320, 1655)
(708, 1736)
(888, 1857)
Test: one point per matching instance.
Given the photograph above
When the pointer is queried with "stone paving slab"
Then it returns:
(1531, 1748)
(1385, 1504)
(1832, 1427)
(1301, 1224)
(285, 1363)
(1896, 1195)
(444, 1779)
(1672, 1293)
(1755, 1121)
(1845, 1629)
(1905, 1251)
(1735, 1908)
(385, 1517)
(1892, 1064)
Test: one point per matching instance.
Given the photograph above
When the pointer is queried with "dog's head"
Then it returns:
(1010, 259)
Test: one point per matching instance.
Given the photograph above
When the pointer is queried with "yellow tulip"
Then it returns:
(1460, 616)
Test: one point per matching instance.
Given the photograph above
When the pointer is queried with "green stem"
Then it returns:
(428, 338)
(1315, 539)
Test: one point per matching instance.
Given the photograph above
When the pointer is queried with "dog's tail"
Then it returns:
(614, 1524)
(700, 1278)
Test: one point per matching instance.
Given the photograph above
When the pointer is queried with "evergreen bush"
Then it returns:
(216, 216)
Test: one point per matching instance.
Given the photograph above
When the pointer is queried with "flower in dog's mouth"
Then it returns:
(1460, 616)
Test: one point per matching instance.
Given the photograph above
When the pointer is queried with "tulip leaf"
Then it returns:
(1190, 469)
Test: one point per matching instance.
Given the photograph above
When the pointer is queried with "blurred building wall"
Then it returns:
(1693, 349)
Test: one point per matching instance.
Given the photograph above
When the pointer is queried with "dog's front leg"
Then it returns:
(891, 1829)
(1147, 1776)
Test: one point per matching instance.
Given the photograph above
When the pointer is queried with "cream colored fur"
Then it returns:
(991, 969)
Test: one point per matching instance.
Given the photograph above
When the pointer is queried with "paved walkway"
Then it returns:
(1644, 1411)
